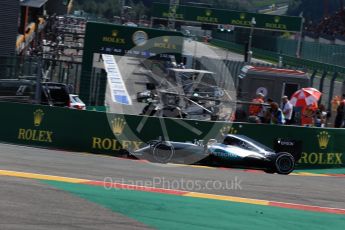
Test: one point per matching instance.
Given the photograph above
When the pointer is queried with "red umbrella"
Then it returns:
(305, 97)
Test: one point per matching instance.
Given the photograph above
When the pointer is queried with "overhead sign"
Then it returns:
(106, 38)
(120, 40)
(227, 17)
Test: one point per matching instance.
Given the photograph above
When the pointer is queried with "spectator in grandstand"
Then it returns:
(308, 115)
(277, 116)
(256, 107)
(287, 109)
(265, 113)
(321, 116)
(333, 25)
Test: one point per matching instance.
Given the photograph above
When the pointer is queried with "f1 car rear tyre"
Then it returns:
(284, 163)
(163, 152)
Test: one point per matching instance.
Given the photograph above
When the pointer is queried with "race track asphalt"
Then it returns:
(319, 191)
(31, 205)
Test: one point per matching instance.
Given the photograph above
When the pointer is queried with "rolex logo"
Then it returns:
(323, 138)
(228, 130)
(38, 117)
(114, 33)
(208, 13)
(117, 126)
(277, 19)
(242, 16)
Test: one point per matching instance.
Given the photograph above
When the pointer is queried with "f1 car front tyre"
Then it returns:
(284, 163)
(163, 152)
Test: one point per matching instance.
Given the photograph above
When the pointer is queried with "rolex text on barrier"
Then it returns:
(34, 134)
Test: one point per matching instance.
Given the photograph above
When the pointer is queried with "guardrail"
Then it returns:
(238, 48)
(99, 132)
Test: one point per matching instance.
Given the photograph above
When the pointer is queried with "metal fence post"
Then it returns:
(312, 77)
(238, 70)
(60, 70)
(38, 81)
(322, 80)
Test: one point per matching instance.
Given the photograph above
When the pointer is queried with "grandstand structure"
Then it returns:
(330, 29)
(33, 38)
(9, 11)
(33, 18)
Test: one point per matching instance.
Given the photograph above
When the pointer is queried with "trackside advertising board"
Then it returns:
(227, 17)
(102, 133)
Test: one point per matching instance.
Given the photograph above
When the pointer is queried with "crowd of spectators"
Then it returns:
(284, 113)
(333, 25)
(268, 111)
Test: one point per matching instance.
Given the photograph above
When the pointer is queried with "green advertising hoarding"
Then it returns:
(98, 132)
(106, 38)
(227, 17)
(120, 40)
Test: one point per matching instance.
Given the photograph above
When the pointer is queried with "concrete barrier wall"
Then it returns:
(98, 132)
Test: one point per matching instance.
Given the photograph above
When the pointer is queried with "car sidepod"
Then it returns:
(171, 152)
(227, 155)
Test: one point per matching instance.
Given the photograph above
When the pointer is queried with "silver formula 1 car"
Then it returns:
(233, 151)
